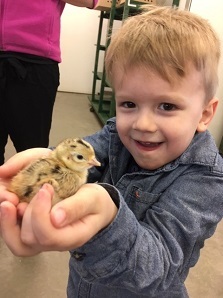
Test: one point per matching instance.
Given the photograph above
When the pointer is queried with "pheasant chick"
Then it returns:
(66, 169)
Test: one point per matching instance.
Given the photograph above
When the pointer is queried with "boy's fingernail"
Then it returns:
(44, 186)
(3, 210)
(59, 216)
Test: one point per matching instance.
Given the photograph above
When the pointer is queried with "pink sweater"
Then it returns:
(31, 27)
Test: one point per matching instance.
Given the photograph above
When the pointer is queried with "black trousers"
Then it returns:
(27, 96)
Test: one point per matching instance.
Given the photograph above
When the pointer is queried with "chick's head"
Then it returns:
(76, 154)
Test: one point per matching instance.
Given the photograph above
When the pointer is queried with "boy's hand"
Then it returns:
(68, 225)
(10, 169)
(13, 166)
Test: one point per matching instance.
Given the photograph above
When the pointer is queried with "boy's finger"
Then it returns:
(41, 222)
(71, 209)
(10, 231)
(85, 202)
(21, 208)
(20, 160)
(8, 196)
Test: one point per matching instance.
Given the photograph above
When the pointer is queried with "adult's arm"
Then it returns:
(82, 3)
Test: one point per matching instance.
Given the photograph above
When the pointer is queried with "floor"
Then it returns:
(45, 275)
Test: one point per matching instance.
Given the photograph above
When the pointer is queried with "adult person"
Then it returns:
(29, 72)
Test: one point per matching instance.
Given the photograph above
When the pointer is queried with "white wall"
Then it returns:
(212, 10)
(79, 31)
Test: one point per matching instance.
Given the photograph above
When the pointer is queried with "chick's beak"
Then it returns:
(94, 162)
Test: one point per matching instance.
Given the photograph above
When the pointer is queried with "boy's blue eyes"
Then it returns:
(164, 106)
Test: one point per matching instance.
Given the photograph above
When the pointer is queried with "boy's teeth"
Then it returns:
(148, 143)
(144, 144)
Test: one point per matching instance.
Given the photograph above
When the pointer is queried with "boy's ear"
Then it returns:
(207, 115)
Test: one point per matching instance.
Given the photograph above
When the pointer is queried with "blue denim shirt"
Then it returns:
(163, 219)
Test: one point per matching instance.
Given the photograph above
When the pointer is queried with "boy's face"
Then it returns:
(156, 121)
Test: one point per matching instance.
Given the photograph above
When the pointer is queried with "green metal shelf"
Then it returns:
(103, 112)
(100, 77)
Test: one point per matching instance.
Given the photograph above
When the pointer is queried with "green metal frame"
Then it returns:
(103, 103)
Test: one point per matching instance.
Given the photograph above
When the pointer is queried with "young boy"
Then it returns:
(137, 232)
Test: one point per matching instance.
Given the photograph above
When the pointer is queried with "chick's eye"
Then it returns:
(80, 157)
(128, 105)
(167, 106)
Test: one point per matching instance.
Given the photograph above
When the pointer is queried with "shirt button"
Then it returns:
(78, 256)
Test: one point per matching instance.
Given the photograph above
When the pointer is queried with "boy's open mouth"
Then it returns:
(148, 145)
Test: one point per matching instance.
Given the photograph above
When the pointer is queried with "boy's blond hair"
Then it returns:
(166, 40)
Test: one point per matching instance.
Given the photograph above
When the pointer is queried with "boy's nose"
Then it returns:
(145, 122)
